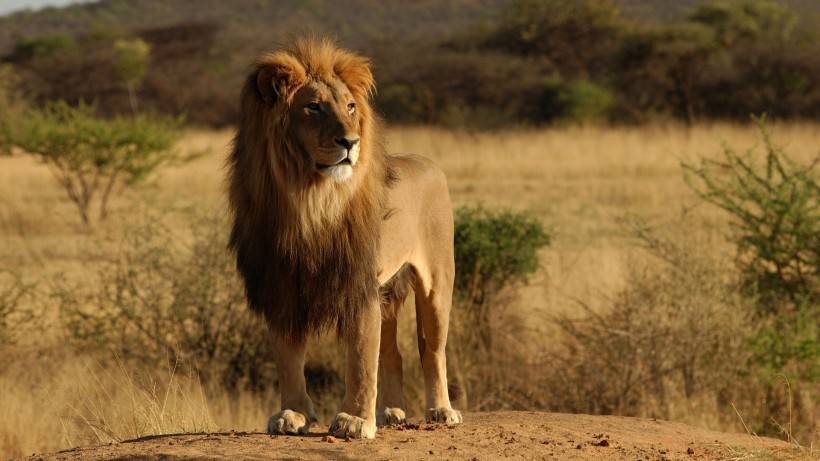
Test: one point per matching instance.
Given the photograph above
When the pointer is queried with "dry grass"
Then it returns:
(579, 180)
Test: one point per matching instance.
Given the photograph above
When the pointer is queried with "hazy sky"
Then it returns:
(8, 6)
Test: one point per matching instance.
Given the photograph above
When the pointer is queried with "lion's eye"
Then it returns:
(351, 108)
(314, 107)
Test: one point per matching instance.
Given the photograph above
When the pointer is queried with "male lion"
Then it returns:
(329, 230)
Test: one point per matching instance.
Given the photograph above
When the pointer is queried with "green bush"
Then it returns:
(29, 48)
(774, 203)
(775, 210)
(90, 156)
(749, 20)
(496, 251)
(130, 65)
(578, 36)
(577, 101)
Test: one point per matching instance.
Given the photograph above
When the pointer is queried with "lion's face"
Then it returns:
(316, 101)
(326, 123)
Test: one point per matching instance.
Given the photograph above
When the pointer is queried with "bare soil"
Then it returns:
(483, 436)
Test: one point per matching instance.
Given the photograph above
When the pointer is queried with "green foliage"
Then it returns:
(130, 64)
(462, 63)
(746, 20)
(11, 105)
(132, 59)
(28, 48)
(775, 210)
(494, 250)
(160, 301)
(90, 156)
(775, 205)
(790, 344)
(659, 67)
(578, 101)
(575, 35)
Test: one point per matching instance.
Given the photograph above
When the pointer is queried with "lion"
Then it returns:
(331, 231)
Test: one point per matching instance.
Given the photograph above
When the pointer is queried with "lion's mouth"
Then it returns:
(344, 161)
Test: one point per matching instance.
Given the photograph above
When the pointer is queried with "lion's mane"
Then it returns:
(307, 248)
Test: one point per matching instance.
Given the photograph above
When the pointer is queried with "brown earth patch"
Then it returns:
(483, 436)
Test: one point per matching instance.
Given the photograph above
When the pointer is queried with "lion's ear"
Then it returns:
(277, 76)
(355, 72)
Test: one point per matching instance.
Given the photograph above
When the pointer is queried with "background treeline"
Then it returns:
(485, 63)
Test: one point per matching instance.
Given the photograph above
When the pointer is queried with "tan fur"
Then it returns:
(328, 230)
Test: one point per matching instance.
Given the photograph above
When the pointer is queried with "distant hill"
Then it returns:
(355, 21)
(666, 10)
(482, 63)
(262, 22)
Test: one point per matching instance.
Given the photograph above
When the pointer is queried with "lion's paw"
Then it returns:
(289, 422)
(447, 416)
(348, 426)
(392, 417)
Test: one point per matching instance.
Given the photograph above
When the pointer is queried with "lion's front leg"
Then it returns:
(297, 414)
(358, 416)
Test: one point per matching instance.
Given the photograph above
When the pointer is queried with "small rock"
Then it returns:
(690, 451)
(330, 439)
(601, 443)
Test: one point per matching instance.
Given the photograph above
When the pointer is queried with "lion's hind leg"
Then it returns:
(390, 409)
(433, 315)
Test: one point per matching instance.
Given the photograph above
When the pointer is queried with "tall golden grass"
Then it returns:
(580, 180)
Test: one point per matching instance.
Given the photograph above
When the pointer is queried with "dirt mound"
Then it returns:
(483, 436)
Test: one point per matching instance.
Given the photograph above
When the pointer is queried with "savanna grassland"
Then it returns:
(597, 189)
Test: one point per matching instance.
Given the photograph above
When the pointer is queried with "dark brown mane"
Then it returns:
(306, 249)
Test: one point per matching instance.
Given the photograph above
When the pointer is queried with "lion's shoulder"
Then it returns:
(415, 168)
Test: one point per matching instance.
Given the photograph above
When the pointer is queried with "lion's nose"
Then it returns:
(347, 143)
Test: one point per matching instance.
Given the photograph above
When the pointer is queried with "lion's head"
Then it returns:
(307, 178)
(316, 97)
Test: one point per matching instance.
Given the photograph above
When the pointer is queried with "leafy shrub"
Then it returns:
(577, 36)
(775, 207)
(91, 157)
(659, 70)
(29, 48)
(746, 20)
(162, 301)
(483, 89)
(496, 251)
(578, 101)
(130, 65)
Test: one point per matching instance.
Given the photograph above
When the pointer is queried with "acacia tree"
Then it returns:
(90, 156)
(130, 64)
